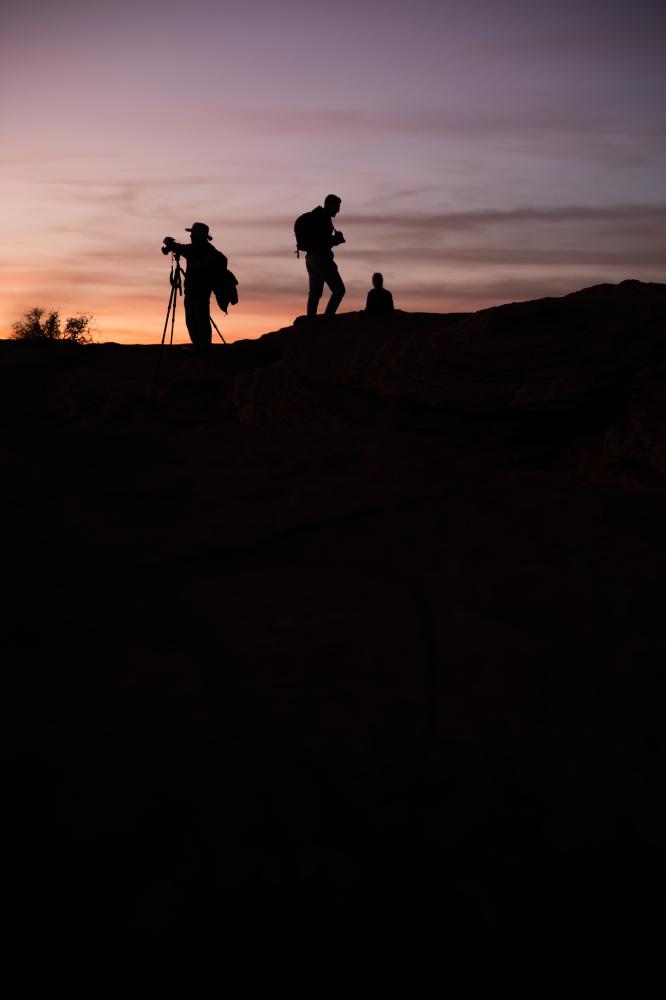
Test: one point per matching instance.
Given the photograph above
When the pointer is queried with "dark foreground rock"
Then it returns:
(334, 661)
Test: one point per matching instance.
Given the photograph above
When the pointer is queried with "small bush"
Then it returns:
(38, 324)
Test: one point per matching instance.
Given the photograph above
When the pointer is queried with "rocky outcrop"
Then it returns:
(587, 367)
(551, 354)
(582, 375)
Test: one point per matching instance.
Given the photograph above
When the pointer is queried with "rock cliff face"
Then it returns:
(337, 656)
(551, 353)
(601, 350)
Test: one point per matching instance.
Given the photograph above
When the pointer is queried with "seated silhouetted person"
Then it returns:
(380, 300)
(204, 265)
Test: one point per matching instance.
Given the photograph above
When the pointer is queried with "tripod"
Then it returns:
(176, 282)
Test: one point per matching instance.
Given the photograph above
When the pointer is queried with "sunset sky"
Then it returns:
(485, 151)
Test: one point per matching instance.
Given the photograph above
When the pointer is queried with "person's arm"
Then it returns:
(325, 236)
(390, 302)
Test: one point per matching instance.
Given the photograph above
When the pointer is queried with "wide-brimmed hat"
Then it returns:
(199, 227)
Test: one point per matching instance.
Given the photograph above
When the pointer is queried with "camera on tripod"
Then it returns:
(168, 245)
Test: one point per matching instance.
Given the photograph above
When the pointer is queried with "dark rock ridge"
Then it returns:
(336, 658)
(585, 370)
(531, 356)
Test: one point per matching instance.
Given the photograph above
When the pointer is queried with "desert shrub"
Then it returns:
(40, 324)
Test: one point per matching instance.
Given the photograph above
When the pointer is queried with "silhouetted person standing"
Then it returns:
(380, 300)
(316, 235)
(205, 265)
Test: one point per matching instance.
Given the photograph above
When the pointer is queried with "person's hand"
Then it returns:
(339, 238)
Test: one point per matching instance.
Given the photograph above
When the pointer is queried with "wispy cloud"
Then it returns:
(540, 127)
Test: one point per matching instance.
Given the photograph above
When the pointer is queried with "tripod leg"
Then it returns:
(217, 328)
(171, 302)
(173, 314)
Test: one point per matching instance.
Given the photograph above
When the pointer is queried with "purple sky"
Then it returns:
(484, 151)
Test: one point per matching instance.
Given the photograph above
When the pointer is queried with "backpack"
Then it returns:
(305, 232)
(225, 290)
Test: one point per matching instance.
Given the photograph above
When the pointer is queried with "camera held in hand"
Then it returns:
(339, 238)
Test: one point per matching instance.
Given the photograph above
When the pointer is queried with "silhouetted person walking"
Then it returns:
(205, 268)
(316, 235)
(380, 300)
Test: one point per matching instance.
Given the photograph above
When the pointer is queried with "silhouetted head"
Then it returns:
(332, 204)
(378, 279)
(198, 232)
